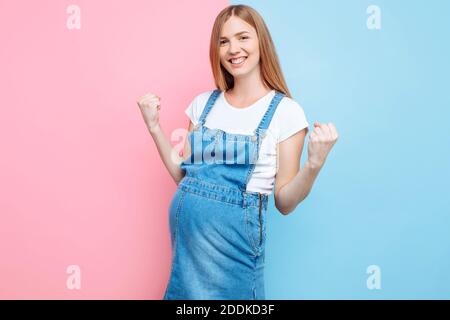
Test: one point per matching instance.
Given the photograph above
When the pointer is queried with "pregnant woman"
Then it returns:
(244, 141)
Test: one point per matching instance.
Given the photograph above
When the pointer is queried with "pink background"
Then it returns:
(81, 179)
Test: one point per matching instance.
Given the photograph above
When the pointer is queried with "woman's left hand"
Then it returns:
(321, 140)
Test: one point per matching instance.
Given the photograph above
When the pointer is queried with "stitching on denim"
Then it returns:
(255, 159)
(175, 240)
(247, 232)
(209, 104)
(264, 222)
(269, 110)
(254, 276)
(180, 201)
(206, 194)
(237, 135)
(264, 125)
(211, 197)
(216, 186)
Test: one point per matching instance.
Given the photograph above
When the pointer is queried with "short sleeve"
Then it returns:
(191, 111)
(291, 119)
(195, 108)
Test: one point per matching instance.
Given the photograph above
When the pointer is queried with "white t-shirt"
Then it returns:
(288, 119)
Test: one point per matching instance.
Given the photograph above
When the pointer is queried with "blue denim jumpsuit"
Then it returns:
(217, 228)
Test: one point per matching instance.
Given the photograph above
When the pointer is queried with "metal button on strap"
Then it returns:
(254, 137)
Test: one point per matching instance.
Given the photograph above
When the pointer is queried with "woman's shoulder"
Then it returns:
(204, 95)
(197, 105)
(201, 98)
(289, 118)
(289, 107)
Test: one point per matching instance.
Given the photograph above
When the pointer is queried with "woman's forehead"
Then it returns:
(234, 26)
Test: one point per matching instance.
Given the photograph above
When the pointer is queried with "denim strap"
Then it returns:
(211, 100)
(265, 121)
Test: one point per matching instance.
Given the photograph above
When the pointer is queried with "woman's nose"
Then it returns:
(234, 48)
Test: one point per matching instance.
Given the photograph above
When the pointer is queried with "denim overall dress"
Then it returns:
(217, 228)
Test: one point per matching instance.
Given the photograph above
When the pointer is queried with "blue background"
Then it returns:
(382, 197)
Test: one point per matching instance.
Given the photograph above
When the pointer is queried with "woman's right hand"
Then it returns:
(149, 104)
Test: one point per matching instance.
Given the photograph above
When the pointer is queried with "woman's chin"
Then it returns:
(239, 73)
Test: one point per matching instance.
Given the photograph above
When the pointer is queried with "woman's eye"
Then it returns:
(224, 41)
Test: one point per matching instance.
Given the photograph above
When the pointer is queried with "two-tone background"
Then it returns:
(84, 195)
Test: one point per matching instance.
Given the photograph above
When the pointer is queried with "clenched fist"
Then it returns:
(321, 140)
(149, 104)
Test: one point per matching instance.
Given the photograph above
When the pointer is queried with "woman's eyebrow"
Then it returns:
(236, 34)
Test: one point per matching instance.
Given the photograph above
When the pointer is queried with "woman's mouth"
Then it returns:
(238, 62)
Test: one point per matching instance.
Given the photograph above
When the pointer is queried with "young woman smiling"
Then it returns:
(217, 216)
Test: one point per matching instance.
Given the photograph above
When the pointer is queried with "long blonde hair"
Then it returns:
(271, 73)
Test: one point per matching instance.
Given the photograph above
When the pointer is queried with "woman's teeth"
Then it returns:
(238, 61)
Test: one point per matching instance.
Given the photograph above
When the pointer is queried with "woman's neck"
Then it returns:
(248, 87)
(245, 93)
(246, 101)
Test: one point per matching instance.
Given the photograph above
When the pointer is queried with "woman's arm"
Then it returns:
(291, 184)
(168, 154)
(149, 105)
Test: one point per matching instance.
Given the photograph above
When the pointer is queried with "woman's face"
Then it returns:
(239, 39)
